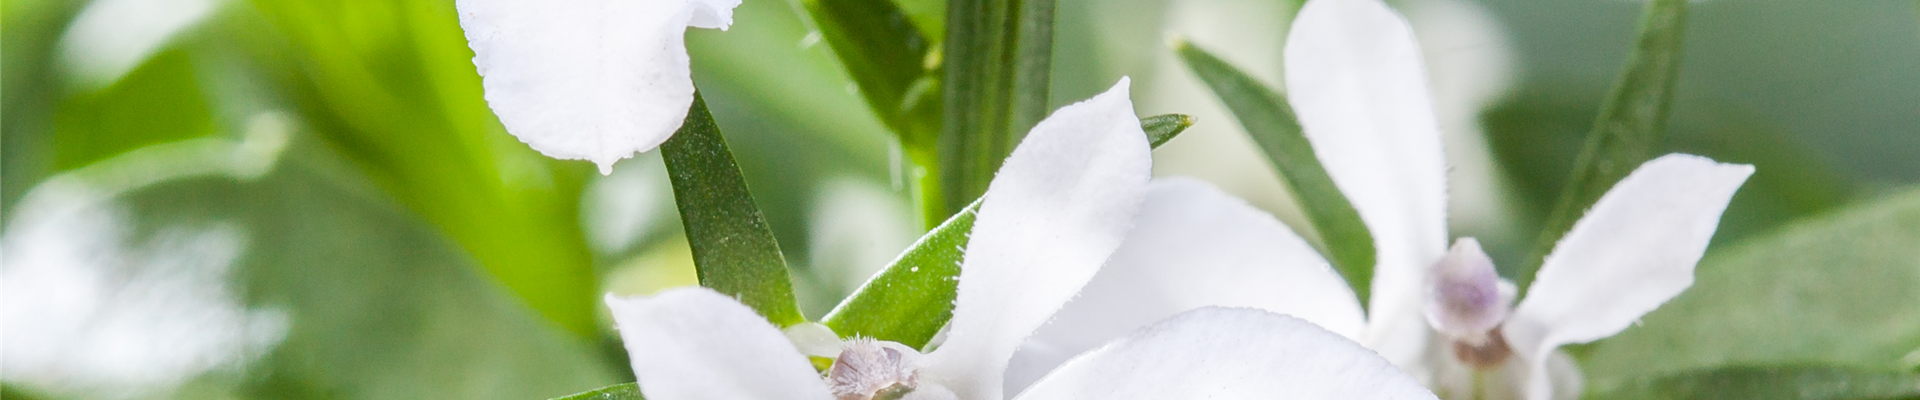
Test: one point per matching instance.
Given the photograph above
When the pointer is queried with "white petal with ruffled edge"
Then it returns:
(1059, 206)
(1355, 77)
(698, 344)
(1229, 353)
(596, 80)
(1192, 246)
(1634, 250)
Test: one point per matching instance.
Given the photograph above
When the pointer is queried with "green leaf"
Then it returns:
(30, 86)
(1537, 133)
(889, 58)
(1629, 127)
(1163, 128)
(159, 101)
(886, 55)
(1768, 382)
(18, 393)
(624, 391)
(1270, 122)
(911, 299)
(1841, 289)
(391, 85)
(998, 56)
(733, 250)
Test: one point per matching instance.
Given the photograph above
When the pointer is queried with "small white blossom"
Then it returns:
(1060, 205)
(1356, 81)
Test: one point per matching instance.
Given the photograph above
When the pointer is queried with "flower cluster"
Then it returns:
(1154, 288)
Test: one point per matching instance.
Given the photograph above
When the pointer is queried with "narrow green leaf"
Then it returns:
(624, 391)
(1629, 127)
(1768, 382)
(888, 57)
(1270, 122)
(998, 56)
(1842, 288)
(910, 300)
(733, 250)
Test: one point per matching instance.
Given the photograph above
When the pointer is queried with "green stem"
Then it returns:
(997, 58)
(1630, 125)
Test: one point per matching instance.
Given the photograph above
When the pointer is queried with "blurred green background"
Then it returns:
(310, 199)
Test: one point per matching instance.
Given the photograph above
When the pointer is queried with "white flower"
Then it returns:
(1060, 205)
(596, 80)
(1356, 82)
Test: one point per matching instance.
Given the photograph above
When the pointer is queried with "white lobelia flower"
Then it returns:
(1356, 82)
(596, 80)
(1060, 205)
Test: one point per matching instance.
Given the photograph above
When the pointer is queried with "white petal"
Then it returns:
(1635, 249)
(1229, 353)
(695, 343)
(1355, 78)
(1192, 246)
(1060, 205)
(595, 80)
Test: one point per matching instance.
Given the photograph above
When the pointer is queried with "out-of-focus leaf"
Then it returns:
(624, 391)
(382, 306)
(888, 57)
(160, 101)
(1270, 122)
(1841, 289)
(998, 58)
(1537, 133)
(912, 298)
(1767, 383)
(29, 86)
(733, 249)
(346, 294)
(1629, 127)
(18, 393)
(391, 85)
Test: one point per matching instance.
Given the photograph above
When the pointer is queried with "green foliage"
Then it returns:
(1163, 128)
(998, 57)
(624, 391)
(1537, 133)
(158, 102)
(392, 85)
(1630, 125)
(912, 298)
(27, 33)
(899, 74)
(1841, 289)
(887, 56)
(367, 300)
(1270, 122)
(1767, 383)
(733, 249)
